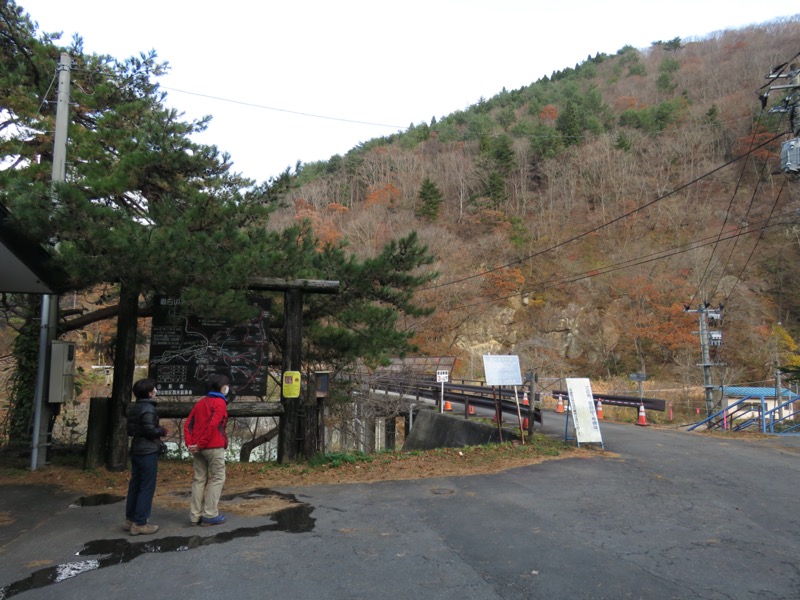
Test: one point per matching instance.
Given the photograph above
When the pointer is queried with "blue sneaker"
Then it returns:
(218, 520)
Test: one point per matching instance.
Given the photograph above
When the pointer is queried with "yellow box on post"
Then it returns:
(291, 384)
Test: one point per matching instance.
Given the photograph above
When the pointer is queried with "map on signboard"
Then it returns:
(583, 411)
(185, 350)
(502, 369)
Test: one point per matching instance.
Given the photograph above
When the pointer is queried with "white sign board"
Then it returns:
(502, 370)
(442, 376)
(584, 414)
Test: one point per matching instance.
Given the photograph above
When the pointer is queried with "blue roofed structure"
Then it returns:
(767, 393)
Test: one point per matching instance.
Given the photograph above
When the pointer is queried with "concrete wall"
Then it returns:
(436, 430)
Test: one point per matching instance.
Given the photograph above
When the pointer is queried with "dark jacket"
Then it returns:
(143, 427)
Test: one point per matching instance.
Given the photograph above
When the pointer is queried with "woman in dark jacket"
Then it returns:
(146, 445)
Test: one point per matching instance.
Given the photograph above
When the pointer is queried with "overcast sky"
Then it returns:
(368, 67)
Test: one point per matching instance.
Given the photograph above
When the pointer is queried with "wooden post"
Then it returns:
(290, 427)
(97, 432)
(532, 403)
(390, 425)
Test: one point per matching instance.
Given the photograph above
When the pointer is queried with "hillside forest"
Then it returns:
(573, 222)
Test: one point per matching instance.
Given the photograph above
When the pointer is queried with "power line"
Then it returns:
(607, 223)
(735, 243)
(725, 220)
(693, 245)
(752, 251)
(774, 74)
(284, 110)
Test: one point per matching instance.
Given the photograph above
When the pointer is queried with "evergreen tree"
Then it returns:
(430, 199)
(148, 210)
(568, 124)
(496, 189)
(361, 322)
(501, 150)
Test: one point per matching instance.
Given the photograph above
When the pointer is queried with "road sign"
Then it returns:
(638, 376)
(442, 376)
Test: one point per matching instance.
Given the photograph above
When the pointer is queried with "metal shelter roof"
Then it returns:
(733, 391)
(25, 266)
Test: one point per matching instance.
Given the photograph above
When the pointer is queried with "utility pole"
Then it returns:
(790, 150)
(705, 342)
(42, 412)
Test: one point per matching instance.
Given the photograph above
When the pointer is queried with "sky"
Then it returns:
(303, 80)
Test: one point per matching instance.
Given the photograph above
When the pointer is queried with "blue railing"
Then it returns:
(766, 420)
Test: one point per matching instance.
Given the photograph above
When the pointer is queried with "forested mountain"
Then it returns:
(573, 220)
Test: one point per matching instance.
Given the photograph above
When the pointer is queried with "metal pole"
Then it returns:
(49, 313)
(41, 380)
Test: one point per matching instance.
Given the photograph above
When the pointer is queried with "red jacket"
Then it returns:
(206, 423)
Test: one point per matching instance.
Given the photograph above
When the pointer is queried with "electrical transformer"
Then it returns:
(62, 372)
(790, 156)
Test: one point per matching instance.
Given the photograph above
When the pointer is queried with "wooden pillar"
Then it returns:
(390, 424)
(292, 429)
(290, 436)
(97, 433)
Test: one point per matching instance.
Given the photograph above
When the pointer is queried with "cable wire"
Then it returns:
(752, 251)
(766, 224)
(607, 223)
(284, 110)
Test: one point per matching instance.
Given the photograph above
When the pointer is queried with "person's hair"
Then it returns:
(216, 382)
(143, 387)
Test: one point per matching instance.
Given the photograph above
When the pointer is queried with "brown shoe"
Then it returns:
(127, 526)
(143, 529)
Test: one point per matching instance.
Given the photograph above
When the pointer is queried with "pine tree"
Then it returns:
(569, 125)
(148, 210)
(430, 198)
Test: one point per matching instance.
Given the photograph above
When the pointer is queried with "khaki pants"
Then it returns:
(209, 477)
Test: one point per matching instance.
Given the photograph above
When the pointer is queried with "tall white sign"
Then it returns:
(584, 414)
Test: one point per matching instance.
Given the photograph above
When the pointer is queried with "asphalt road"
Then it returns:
(659, 514)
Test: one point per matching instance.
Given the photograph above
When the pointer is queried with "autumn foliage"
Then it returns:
(503, 282)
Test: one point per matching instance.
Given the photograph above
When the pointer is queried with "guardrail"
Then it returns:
(630, 401)
(466, 395)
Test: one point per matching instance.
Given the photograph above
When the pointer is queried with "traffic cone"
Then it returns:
(471, 410)
(525, 399)
(599, 409)
(447, 405)
(524, 422)
(642, 417)
(560, 405)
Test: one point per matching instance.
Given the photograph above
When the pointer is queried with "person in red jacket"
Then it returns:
(206, 439)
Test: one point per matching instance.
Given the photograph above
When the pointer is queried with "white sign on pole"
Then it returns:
(442, 376)
(502, 369)
(583, 411)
